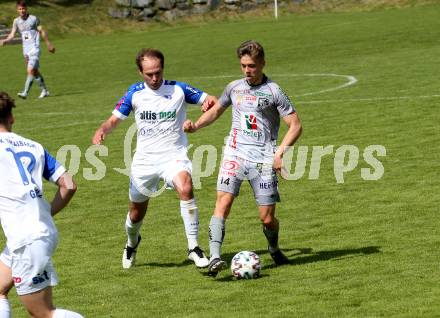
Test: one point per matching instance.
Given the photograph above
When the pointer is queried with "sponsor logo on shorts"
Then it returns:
(268, 185)
(17, 280)
(230, 165)
(40, 278)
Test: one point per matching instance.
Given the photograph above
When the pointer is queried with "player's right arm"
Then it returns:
(66, 190)
(215, 111)
(206, 119)
(106, 128)
(10, 36)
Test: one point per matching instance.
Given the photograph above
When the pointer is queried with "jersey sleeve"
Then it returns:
(192, 95)
(225, 98)
(37, 22)
(124, 106)
(52, 168)
(283, 103)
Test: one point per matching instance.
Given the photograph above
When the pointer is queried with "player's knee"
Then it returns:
(186, 190)
(269, 221)
(137, 211)
(224, 203)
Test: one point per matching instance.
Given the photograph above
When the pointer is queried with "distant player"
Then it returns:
(26, 218)
(159, 107)
(251, 152)
(30, 29)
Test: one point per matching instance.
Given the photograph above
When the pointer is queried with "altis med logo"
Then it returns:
(159, 116)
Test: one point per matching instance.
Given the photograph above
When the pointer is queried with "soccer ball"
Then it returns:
(245, 265)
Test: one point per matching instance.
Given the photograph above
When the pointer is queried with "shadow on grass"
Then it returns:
(307, 255)
(66, 93)
(297, 256)
(157, 264)
(300, 256)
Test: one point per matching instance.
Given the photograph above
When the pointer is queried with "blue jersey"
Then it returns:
(159, 114)
(24, 213)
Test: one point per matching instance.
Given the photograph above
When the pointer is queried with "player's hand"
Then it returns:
(277, 163)
(51, 48)
(98, 138)
(189, 126)
(208, 103)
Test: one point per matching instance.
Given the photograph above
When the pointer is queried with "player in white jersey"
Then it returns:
(30, 29)
(251, 152)
(26, 219)
(159, 107)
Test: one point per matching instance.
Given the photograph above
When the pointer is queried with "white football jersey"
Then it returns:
(24, 213)
(159, 114)
(256, 112)
(30, 35)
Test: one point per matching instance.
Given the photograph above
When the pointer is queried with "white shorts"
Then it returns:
(31, 266)
(33, 61)
(147, 171)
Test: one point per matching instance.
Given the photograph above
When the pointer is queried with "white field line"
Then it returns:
(351, 80)
(366, 99)
(61, 126)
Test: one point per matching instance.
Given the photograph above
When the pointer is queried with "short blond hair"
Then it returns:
(252, 48)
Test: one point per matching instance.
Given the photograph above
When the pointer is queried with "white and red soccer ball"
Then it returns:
(246, 265)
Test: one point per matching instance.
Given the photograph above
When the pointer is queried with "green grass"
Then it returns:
(358, 249)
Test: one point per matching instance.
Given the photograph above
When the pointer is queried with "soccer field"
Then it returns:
(358, 247)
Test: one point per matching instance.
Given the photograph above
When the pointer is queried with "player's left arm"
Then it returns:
(66, 190)
(43, 34)
(291, 136)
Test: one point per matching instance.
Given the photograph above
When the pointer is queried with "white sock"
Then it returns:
(28, 84)
(216, 236)
(190, 216)
(40, 81)
(5, 308)
(132, 230)
(62, 313)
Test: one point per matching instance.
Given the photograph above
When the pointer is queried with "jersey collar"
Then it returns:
(263, 81)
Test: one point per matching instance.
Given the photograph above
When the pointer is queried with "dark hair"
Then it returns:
(21, 3)
(251, 48)
(149, 53)
(6, 105)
